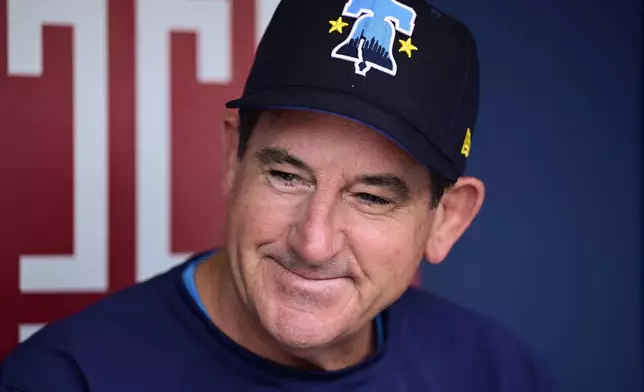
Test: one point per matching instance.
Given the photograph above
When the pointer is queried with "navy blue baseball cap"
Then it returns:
(403, 68)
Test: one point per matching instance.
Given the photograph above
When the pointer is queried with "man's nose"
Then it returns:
(316, 234)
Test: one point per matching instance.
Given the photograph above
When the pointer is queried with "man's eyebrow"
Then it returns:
(390, 182)
(276, 156)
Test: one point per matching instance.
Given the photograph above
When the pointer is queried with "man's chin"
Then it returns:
(300, 330)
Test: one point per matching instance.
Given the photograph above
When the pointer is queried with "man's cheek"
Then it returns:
(382, 256)
(375, 236)
(268, 214)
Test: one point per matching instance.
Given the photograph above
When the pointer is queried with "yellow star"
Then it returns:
(337, 25)
(407, 46)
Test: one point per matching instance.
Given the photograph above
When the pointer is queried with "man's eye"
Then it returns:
(286, 179)
(373, 201)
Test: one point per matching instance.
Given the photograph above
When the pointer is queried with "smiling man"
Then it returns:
(345, 167)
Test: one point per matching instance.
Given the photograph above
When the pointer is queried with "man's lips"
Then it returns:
(306, 274)
(306, 288)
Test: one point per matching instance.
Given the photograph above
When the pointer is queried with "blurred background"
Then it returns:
(110, 161)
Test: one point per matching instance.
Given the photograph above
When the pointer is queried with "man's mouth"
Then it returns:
(307, 274)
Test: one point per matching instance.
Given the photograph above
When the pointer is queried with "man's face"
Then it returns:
(328, 221)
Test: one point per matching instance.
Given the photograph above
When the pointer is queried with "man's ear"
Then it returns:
(230, 145)
(456, 211)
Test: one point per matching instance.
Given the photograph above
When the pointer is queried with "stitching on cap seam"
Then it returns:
(460, 100)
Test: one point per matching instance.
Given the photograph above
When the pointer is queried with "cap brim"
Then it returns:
(350, 106)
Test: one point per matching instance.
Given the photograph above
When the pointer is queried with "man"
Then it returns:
(344, 169)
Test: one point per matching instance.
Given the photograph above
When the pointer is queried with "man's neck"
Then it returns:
(217, 290)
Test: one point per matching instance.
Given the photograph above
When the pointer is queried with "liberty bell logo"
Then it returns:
(371, 41)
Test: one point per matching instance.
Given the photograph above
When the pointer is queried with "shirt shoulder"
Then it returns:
(105, 334)
(34, 368)
(464, 346)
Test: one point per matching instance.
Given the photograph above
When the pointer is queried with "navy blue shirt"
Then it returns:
(155, 336)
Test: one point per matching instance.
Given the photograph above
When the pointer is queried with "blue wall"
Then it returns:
(556, 253)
